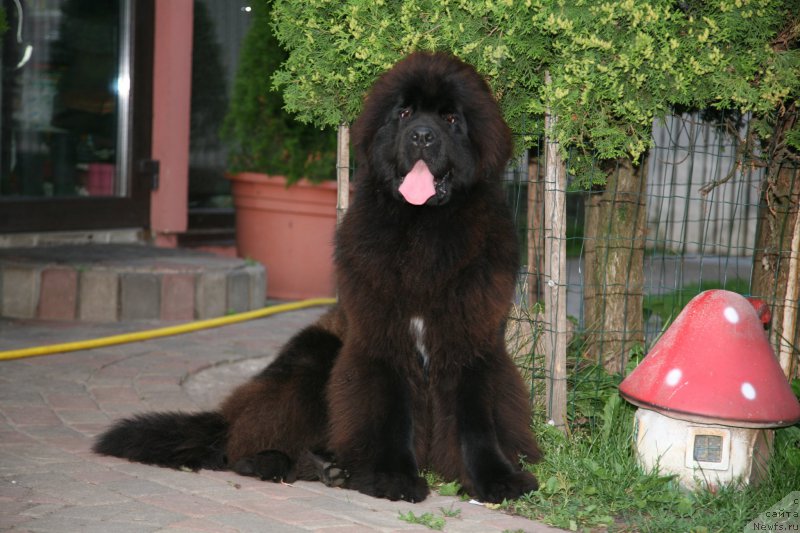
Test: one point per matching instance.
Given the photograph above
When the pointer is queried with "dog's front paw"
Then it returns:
(508, 487)
(391, 486)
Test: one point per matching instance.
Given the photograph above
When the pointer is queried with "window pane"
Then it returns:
(61, 99)
(708, 448)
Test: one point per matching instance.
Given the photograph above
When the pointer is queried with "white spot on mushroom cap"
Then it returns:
(673, 377)
(748, 391)
(731, 315)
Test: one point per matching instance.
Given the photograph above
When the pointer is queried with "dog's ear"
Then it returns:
(373, 115)
(380, 102)
(488, 131)
(493, 143)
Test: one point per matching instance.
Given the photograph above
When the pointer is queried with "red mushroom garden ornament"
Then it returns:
(707, 391)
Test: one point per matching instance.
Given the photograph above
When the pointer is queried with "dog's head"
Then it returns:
(431, 129)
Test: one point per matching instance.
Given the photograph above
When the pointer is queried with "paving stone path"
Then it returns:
(51, 407)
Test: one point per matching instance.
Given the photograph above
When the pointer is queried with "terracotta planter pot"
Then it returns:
(288, 230)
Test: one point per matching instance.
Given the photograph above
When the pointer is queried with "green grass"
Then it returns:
(429, 520)
(590, 480)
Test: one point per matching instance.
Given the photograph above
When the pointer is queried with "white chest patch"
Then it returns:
(417, 329)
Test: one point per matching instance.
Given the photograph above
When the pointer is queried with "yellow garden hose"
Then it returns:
(163, 332)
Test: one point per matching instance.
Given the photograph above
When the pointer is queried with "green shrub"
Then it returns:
(261, 135)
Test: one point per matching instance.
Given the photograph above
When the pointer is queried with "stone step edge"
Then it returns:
(103, 294)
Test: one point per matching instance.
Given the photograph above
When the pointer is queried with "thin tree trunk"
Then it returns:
(555, 277)
(592, 296)
(788, 346)
(774, 257)
(535, 242)
(614, 266)
(342, 171)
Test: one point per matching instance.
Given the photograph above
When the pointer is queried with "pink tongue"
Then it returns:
(417, 186)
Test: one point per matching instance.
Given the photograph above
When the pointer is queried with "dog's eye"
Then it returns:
(405, 112)
(450, 118)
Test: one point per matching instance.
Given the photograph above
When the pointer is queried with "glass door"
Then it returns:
(74, 125)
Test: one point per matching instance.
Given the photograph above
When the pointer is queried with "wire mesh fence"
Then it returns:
(708, 208)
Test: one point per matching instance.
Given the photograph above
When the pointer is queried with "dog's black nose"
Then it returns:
(422, 136)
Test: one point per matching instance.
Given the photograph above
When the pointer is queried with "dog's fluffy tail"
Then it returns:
(171, 439)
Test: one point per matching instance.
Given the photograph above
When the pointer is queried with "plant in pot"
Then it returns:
(281, 172)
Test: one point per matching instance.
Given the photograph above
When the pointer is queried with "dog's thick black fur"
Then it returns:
(410, 370)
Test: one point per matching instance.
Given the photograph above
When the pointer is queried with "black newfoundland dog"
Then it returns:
(410, 370)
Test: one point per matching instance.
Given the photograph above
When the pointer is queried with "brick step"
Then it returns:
(125, 282)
